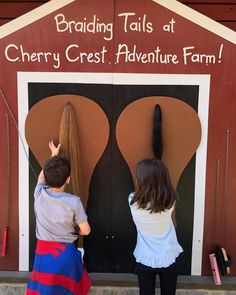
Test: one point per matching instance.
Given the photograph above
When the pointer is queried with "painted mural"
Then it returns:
(114, 61)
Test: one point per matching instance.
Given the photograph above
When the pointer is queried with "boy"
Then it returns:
(58, 266)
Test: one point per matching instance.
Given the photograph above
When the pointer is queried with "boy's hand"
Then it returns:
(54, 150)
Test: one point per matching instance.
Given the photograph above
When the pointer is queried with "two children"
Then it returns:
(60, 217)
(157, 247)
(58, 267)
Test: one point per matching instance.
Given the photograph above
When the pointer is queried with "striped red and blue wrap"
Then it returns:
(58, 270)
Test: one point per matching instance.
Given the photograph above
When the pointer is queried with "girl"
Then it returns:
(157, 247)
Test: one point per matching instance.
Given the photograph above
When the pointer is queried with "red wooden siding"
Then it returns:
(223, 11)
(10, 10)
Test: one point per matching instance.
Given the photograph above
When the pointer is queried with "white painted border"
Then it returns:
(32, 16)
(199, 19)
(203, 81)
(23, 176)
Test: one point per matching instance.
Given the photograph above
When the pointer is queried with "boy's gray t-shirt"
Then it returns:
(57, 214)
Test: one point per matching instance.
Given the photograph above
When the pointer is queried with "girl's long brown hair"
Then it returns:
(154, 189)
(68, 138)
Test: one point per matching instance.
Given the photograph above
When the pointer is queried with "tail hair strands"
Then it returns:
(68, 138)
(157, 141)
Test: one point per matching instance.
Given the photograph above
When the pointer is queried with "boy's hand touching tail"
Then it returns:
(54, 150)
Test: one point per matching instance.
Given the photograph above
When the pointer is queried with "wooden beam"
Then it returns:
(219, 12)
(32, 16)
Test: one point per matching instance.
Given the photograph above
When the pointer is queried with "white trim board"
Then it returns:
(203, 81)
(199, 19)
(173, 5)
(32, 16)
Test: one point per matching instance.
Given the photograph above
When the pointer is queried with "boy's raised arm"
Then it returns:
(54, 152)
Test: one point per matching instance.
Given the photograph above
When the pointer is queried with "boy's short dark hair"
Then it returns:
(56, 170)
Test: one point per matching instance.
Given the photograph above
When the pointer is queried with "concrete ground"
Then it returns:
(14, 283)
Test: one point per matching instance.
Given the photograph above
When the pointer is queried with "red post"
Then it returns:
(4, 242)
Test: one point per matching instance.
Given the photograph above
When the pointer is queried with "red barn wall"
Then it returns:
(226, 15)
(221, 11)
